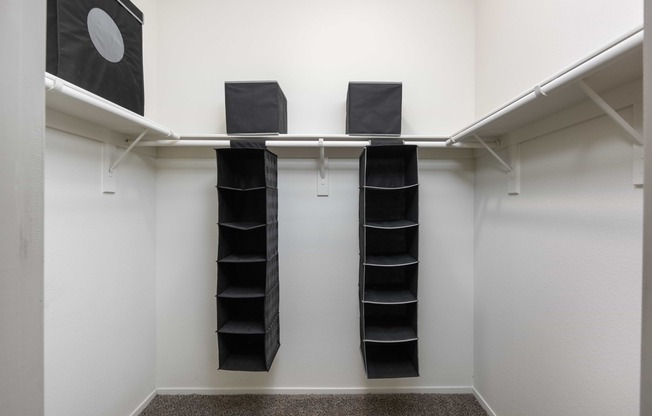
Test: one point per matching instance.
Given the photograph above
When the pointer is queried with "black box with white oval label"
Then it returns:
(97, 45)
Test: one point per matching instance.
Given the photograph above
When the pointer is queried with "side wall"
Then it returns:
(558, 277)
(21, 207)
(646, 367)
(520, 43)
(318, 249)
(100, 283)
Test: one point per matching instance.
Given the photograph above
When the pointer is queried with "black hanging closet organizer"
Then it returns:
(247, 282)
(389, 236)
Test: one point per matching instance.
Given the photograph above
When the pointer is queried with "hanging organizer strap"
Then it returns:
(248, 144)
(386, 142)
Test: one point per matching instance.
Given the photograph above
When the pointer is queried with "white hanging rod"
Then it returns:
(55, 85)
(311, 137)
(305, 143)
(578, 70)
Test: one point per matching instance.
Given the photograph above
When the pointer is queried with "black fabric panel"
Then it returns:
(386, 142)
(72, 56)
(255, 107)
(248, 144)
(373, 108)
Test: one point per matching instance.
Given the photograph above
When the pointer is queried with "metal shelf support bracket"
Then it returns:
(126, 152)
(609, 111)
(108, 153)
(513, 169)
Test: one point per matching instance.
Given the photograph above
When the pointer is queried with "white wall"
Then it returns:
(100, 283)
(21, 207)
(314, 48)
(558, 277)
(520, 43)
(150, 55)
(318, 248)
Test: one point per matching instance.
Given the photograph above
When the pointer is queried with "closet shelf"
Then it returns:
(613, 65)
(617, 63)
(70, 99)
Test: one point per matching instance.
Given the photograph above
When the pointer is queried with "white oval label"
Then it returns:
(105, 35)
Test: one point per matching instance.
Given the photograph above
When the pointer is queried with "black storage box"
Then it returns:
(255, 108)
(374, 108)
(97, 45)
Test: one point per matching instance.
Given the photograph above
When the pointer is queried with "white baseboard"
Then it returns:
(317, 390)
(144, 404)
(483, 403)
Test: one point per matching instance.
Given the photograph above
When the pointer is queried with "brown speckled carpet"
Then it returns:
(316, 405)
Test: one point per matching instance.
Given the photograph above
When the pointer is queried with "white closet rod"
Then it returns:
(580, 69)
(303, 143)
(55, 85)
(218, 136)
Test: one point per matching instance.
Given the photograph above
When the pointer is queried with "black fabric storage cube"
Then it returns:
(255, 108)
(97, 45)
(374, 108)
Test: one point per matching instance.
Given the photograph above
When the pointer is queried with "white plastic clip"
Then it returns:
(539, 92)
(322, 172)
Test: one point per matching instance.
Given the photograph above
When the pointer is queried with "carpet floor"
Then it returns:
(316, 405)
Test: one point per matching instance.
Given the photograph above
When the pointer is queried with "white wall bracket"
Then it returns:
(638, 142)
(108, 176)
(613, 114)
(322, 171)
(513, 168)
(126, 152)
(513, 175)
(109, 166)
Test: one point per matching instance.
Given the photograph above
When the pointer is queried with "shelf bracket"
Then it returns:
(322, 171)
(613, 114)
(513, 171)
(126, 152)
(108, 153)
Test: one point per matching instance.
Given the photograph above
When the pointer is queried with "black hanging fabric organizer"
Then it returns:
(389, 235)
(247, 282)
